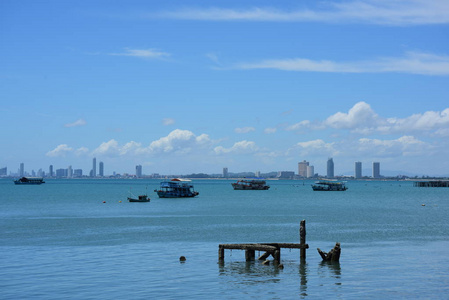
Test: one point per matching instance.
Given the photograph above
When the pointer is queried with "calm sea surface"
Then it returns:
(60, 241)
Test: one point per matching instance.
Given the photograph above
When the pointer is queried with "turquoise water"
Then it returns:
(59, 240)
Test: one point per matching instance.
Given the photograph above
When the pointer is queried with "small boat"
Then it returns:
(326, 185)
(250, 184)
(29, 180)
(140, 198)
(176, 188)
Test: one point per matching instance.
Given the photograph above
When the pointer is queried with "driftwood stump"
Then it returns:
(333, 255)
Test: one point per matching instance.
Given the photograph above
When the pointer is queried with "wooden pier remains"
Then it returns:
(432, 183)
(273, 249)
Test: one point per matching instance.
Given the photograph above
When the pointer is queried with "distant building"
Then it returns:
(61, 173)
(302, 168)
(225, 173)
(330, 168)
(22, 170)
(376, 170)
(69, 172)
(257, 173)
(358, 170)
(94, 168)
(310, 171)
(50, 171)
(101, 169)
(4, 171)
(286, 174)
(78, 173)
(139, 171)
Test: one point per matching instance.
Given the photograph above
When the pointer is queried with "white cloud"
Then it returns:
(359, 115)
(238, 148)
(60, 150)
(411, 63)
(244, 129)
(362, 119)
(168, 121)
(316, 147)
(393, 13)
(178, 141)
(270, 130)
(81, 151)
(143, 53)
(79, 122)
(403, 146)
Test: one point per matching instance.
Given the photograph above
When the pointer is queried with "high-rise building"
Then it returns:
(358, 170)
(310, 171)
(139, 171)
(22, 170)
(69, 172)
(94, 167)
(376, 169)
(330, 168)
(257, 173)
(50, 171)
(4, 171)
(302, 168)
(101, 169)
(225, 172)
(78, 173)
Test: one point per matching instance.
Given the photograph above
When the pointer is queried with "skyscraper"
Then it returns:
(310, 171)
(101, 169)
(330, 168)
(302, 168)
(50, 171)
(376, 170)
(94, 167)
(358, 170)
(138, 171)
(225, 172)
(22, 170)
(69, 172)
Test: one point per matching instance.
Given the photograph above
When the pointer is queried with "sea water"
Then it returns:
(82, 239)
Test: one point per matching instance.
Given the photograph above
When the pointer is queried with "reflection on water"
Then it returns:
(250, 272)
(330, 269)
(303, 278)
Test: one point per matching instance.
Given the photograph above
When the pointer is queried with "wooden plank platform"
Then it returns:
(273, 249)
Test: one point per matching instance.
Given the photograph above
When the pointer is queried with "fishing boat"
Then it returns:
(250, 184)
(327, 185)
(29, 180)
(176, 188)
(140, 198)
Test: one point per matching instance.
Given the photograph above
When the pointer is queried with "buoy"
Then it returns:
(182, 258)
(120, 201)
(104, 201)
(423, 205)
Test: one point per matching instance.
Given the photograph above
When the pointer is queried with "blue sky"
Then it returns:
(194, 86)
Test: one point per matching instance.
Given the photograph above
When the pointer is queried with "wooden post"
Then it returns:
(302, 239)
(277, 255)
(220, 253)
(250, 254)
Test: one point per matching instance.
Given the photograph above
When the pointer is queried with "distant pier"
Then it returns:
(432, 183)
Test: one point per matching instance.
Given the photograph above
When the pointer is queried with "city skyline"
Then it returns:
(186, 87)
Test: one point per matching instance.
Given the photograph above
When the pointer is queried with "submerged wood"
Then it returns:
(333, 255)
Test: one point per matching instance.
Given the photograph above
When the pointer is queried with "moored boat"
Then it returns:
(29, 180)
(326, 185)
(140, 198)
(176, 188)
(250, 184)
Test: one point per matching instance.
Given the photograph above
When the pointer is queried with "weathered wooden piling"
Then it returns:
(333, 255)
(302, 238)
(273, 249)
